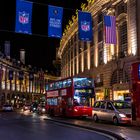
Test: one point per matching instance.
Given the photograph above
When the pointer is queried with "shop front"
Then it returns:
(121, 92)
(99, 94)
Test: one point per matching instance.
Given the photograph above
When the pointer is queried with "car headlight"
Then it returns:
(43, 109)
(122, 115)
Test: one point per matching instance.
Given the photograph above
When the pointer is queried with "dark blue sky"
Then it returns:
(40, 50)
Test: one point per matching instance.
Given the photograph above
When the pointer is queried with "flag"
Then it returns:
(55, 15)
(110, 29)
(85, 26)
(23, 17)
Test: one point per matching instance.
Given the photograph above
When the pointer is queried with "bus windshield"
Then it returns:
(83, 82)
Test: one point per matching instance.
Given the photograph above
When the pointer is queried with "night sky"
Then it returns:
(40, 49)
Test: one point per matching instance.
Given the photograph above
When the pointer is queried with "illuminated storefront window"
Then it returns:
(13, 86)
(3, 84)
(8, 85)
(121, 95)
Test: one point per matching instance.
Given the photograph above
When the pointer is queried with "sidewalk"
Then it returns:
(121, 132)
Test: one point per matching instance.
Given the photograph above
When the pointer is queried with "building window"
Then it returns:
(71, 52)
(92, 43)
(74, 50)
(75, 68)
(100, 17)
(68, 69)
(119, 76)
(71, 67)
(99, 80)
(85, 60)
(100, 54)
(75, 37)
(91, 57)
(85, 45)
(68, 55)
(121, 8)
(80, 47)
(123, 40)
(100, 58)
(100, 33)
(80, 63)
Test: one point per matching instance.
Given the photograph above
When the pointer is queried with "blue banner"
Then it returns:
(21, 75)
(31, 76)
(23, 17)
(55, 15)
(85, 26)
(10, 74)
(7, 48)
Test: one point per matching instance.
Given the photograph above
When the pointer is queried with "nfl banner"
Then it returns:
(23, 17)
(55, 15)
(85, 26)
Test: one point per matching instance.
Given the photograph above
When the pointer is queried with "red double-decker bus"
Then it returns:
(72, 97)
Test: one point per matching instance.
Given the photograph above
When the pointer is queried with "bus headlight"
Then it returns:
(75, 109)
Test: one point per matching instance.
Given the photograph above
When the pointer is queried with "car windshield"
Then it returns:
(121, 105)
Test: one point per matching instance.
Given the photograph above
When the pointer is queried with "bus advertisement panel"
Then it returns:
(71, 97)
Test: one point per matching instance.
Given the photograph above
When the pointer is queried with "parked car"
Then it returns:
(26, 107)
(7, 107)
(41, 109)
(115, 111)
(33, 107)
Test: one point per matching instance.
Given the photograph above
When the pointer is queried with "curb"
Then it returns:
(89, 128)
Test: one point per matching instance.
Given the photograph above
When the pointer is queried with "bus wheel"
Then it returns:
(84, 117)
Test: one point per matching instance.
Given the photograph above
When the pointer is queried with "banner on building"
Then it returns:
(23, 17)
(10, 74)
(21, 75)
(85, 26)
(110, 29)
(7, 48)
(31, 76)
(55, 15)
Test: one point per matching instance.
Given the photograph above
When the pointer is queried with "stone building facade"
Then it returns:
(19, 83)
(108, 64)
